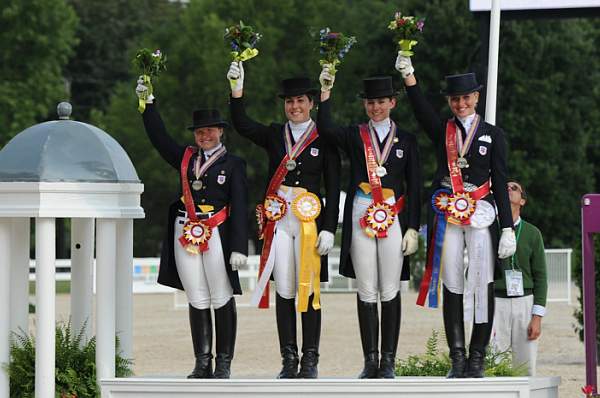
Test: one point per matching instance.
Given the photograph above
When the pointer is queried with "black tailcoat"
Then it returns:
(319, 162)
(403, 177)
(486, 157)
(218, 191)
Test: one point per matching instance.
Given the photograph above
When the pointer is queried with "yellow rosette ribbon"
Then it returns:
(406, 46)
(142, 99)
(307, 207)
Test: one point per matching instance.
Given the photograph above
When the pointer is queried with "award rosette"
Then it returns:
(461, 207)
(307, 207)
(377, 219)
(196, 235)
(484, 214)
(274, 208)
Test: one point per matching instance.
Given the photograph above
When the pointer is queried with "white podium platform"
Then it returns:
(406, 387)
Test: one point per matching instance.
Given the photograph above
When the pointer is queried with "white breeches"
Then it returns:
(286, 248)
(203, 276)
(377, 262)
(480, 266)
(511, 320)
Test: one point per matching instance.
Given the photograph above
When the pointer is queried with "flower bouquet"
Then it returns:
(149, 65)
(242, 39)
(406, 28)
(588, 391)
(333, 47)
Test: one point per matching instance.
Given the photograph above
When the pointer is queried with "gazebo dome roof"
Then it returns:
(65, 151)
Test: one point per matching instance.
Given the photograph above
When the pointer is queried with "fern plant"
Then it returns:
(75, 364)
(435, 363)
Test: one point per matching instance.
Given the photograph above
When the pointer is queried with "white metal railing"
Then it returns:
(145, 275)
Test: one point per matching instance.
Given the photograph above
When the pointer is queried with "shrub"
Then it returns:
(75, 364)
(435, 363)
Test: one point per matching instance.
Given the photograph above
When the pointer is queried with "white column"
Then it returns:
(492, 82)
(5, 230)
(105, 298)
(45, 295)
(82, 257)
(19, 275)
(124, 286)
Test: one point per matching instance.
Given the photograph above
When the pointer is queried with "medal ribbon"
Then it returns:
(269, 230)
(387, 148)
(464, 147)
(430, 284)
(371, 163)
(188, 199)
(452, 153)
(294, 151)
(202, 164)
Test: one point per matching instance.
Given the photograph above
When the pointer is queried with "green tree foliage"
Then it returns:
(37, 38)
(107, 29)
(551, 154)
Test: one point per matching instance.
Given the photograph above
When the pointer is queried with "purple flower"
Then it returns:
(420, 24)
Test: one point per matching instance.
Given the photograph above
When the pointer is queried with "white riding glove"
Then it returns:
(324, 242)
(237, 260)
(235, 75)
(404, 65)
(508, 243)
(142, 91)
(410, 242)
(326, 78)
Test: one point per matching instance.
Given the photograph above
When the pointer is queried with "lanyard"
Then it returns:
(512, 259)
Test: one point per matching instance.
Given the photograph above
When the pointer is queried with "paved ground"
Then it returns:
(162, 344)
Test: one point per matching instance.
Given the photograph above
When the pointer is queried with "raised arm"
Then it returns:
(238, 208)
(243, 124)
(331, 177)
(336, 135)
(168, 149)
(413, 184)
(427, 117)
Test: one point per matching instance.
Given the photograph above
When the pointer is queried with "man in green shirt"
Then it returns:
(521, 287)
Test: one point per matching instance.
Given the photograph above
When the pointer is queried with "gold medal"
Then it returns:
(462, 163)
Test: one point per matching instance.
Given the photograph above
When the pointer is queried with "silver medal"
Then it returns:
(380, 171)
(462, 163)
(290, 164)
(197, 185)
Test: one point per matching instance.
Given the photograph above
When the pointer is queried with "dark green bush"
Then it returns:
(75, 364)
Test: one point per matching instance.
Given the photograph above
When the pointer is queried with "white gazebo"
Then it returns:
(67, 169)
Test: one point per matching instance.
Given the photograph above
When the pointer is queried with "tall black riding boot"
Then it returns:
(455, 333)
(311, 334)
(201, 326)
(480, 339)
(368, 321)
(285, 310)
(390, 332)
(225, 329)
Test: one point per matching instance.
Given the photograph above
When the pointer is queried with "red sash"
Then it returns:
(269, 228)
(455, 173)
(188, 201)
(375, 184)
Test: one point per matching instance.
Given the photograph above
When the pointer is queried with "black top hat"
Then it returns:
(461, 84)
(297, 86)
(207, 118)
(378, 87)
